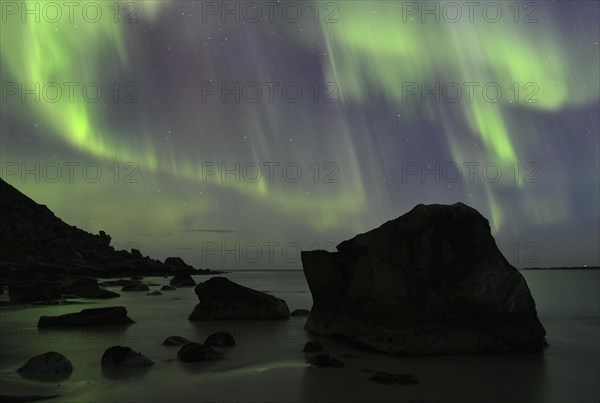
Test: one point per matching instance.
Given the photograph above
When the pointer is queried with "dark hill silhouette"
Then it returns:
(34, 240)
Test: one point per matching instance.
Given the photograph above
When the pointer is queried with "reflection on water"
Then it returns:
(267, 362)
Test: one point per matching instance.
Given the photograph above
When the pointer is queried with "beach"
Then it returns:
(268, 364)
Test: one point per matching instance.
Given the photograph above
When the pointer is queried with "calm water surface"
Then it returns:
(268, 364)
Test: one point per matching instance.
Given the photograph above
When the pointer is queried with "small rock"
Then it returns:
(325, 361)
(182, 280)
(388, 378)
(167, 288)
(124, 357)
(136, 287)
(156, 292)
(114, 315)
(300, 312)
(194, 352)
(118, 283)
(312, 347)
(220, 339)
(175, 341)
(88, 288)
(50, 363)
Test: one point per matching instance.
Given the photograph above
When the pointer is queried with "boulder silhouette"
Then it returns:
(432, 281)
(115, 315)
(221, 298)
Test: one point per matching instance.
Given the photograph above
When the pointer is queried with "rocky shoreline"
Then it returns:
(431, 282)
(43, 258)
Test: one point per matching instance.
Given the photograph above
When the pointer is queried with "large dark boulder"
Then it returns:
(432, 281)
(115, 315)
(221, 298)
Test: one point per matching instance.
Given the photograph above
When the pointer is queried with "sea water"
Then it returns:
(267, 363)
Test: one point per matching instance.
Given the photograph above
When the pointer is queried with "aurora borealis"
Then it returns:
(209, 152)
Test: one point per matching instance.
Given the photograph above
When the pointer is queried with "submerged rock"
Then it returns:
(175, 341)
(50, 363)
(135, 287)
(195, 352)
(221, 298)
(313, 347)
(432, 281)
(182, 280)
(325, 361)
(124, 357)
(156, 292)
(220, 339)
(167, 288)
(115, 315)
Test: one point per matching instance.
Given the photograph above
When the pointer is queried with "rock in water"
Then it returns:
(182, 280)
(195, 352)
(175, 341)
(221, 298)
(220, 339)
(135, 287)
(167, 288)
(432, 281)
(115, 315)
(312, 347)
(124, 357)
(88, 288)
(50, 363)
(300, 312)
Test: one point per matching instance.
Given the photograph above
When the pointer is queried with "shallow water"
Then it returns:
(268, 364)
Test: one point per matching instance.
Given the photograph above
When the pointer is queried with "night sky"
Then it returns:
(208, 150)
